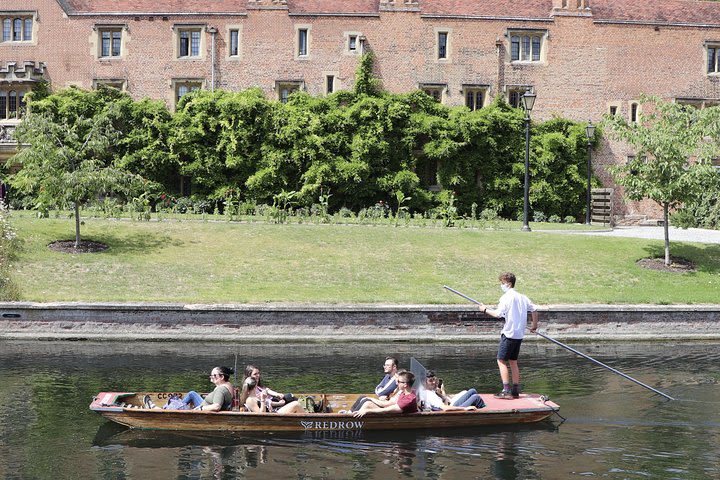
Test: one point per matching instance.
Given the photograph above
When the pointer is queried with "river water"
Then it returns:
(612, 428)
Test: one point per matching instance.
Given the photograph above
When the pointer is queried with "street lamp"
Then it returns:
(528, 101)
(590, 133)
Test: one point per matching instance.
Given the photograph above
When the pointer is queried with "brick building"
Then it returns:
(583, 58)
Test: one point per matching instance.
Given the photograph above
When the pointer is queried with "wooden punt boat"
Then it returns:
(126, 408)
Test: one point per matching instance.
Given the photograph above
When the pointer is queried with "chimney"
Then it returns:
(571, 8)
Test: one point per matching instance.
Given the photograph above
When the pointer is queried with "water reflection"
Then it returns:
(614, 428)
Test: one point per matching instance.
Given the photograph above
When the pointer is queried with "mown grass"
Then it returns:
(229, 262)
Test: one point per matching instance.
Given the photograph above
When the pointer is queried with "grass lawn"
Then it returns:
(230, 262)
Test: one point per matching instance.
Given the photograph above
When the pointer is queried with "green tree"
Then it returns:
(219, 137)
(673, 146)
(69, 155)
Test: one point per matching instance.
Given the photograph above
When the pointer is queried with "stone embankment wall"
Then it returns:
(345, 323)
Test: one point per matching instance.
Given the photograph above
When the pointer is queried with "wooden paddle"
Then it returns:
(575, 351)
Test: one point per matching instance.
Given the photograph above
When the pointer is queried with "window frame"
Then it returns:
(189, 29)
(335, 84)
(8, 113)
(474, 88)
(436, 90)
(101, 29)
(634, 110)
(715, 47)
(192, 84)
(348, 42)
(296, 86)
(519, 90)
(9, 18)
(117, 83)
(529, 51)
(302, 52)
(237, 30)
(440, 55)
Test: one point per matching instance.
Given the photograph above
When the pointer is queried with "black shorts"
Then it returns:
(509, 348)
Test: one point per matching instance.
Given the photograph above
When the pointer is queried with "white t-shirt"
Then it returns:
(430, 399)
(514, 307)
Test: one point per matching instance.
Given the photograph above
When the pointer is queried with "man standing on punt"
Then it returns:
(513, 307)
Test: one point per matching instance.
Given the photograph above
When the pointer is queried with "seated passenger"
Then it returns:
(358, 403)
(404, 402)
(433, 398)
(275, 399)
(387, 385)
(256, 402)
(217, 400)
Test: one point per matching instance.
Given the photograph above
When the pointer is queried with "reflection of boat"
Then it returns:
(112, 434)
(126, 408)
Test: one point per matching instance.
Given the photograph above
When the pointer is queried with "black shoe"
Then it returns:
(515, 394)
(504, 395)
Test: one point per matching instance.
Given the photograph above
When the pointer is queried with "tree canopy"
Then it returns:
(71, 156)
(673, 144)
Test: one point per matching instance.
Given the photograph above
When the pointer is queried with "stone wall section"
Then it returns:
(345, 323)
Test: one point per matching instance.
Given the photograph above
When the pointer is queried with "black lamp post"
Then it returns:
(528, 101)
(590, 133)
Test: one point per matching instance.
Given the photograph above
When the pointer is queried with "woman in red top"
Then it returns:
(403, 402)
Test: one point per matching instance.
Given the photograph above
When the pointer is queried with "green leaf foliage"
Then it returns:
(673, 145)
(353, 149)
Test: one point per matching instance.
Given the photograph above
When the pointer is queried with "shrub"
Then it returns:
(345, 213)
(554, 219)
(569, 219)
(489, 214)
(183, 205)
(539, 217)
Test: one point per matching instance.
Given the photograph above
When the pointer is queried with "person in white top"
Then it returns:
(514, 308)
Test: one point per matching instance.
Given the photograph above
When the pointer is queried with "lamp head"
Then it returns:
(590, 130)
(528, 101)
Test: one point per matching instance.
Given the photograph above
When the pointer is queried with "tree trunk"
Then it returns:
(77, 225)
(666, 227)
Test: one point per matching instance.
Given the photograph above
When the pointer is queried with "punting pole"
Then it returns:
(576, 352)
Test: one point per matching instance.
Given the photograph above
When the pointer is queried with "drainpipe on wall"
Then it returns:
(499, 46)
(212, 31)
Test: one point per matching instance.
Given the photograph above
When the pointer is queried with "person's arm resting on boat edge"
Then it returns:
(389, 409)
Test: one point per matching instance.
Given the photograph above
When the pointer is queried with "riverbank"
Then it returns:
(286, 323)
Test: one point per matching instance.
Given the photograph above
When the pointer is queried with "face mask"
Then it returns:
(504, 287)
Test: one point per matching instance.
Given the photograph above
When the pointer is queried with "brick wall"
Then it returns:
(587, 65)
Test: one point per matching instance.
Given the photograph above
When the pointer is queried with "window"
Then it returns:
(118, 84)
(634, 108)
(435, 90)
(189, 42)
(12, 103)
(475, 96)
(713, 59)
(353, 43)
(183, 87)
(110, 41)
(698, 103)
(302, 45)
(17, 27)
(515, 93)
(526, 46)
(613, 109)
(285, 87)
(329, 84)
(442, 39)
(234, 43)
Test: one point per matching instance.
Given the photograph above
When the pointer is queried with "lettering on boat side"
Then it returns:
(164, 395)
(332, 425)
